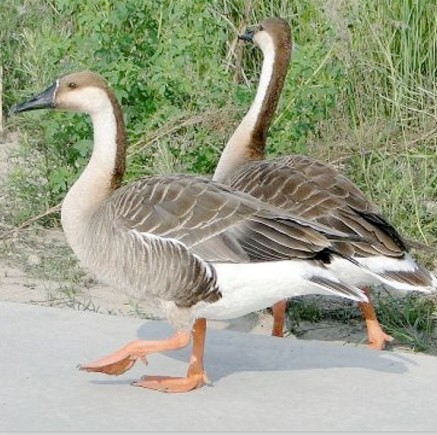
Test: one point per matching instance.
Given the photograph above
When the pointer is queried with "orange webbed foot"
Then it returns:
(118, 362)
(277, 333)
(124, 358)
(378, 340)
(196, 376)
(116, 368)
(376, 335)
(168, 384)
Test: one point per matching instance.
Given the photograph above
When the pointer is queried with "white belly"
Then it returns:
(253, 286)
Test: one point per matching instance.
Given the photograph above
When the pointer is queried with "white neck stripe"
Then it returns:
(234, 153)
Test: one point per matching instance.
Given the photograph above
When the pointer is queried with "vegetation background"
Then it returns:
(361, 93)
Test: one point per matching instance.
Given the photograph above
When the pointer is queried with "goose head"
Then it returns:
(272, 33)
(84, 92)
(89, 93)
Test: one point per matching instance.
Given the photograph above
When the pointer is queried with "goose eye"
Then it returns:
(72, 85)
(260, 28)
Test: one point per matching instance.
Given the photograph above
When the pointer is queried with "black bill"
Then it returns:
(247, 36)
(44, 100)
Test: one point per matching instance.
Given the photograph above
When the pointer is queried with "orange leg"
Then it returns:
(123, 359)
(377, 336)
(279, 318)
(196, 376)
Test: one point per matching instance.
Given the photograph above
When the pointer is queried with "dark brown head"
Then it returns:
(272, 31)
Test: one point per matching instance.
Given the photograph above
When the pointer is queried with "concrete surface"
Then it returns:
(259, 383)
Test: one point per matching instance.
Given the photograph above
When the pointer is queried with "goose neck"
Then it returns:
(249, 139)
(102, 174)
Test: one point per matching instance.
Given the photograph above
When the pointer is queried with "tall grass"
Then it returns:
(392, 82)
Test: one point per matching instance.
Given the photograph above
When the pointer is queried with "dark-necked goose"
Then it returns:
(313, 190)
(195, 248)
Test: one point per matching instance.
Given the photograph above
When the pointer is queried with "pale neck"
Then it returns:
(95, 183)
(237, 150)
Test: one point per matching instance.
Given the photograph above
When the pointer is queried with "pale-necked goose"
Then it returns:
(313, 190)
(194, 247)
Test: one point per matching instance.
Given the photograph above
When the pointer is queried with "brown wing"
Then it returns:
(159, 224)
(316, 191)
(217, 223)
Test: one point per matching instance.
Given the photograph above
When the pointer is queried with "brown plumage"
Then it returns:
(318, 192)
(311, 189)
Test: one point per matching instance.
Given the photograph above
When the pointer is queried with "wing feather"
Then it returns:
(315, 191)
(218, 223)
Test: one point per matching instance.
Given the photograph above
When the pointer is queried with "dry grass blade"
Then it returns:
(206, 116)
(30, 221)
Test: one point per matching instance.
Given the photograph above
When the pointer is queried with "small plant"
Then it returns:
(411, 320)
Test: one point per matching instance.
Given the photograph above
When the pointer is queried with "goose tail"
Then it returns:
(339, 288)
(403, 274)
